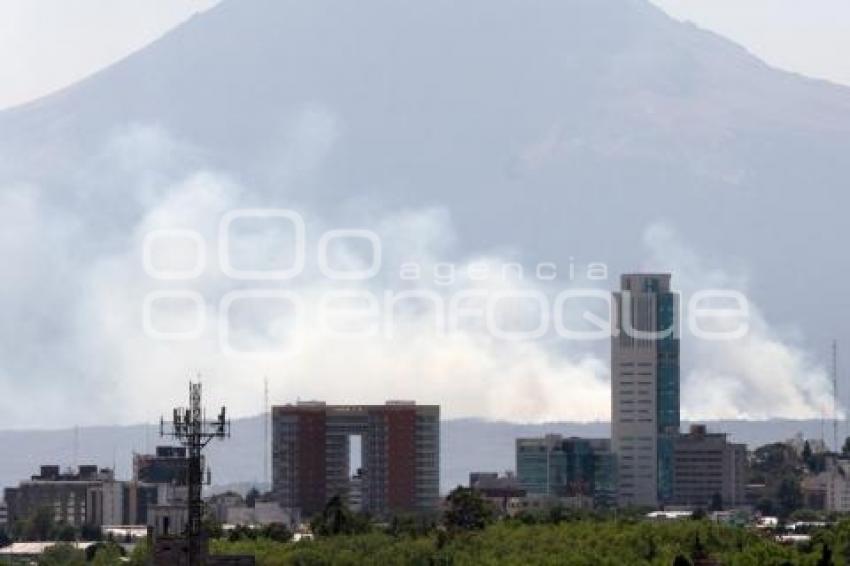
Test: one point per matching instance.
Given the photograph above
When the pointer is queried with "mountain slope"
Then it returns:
(550, 129)
(467, 445)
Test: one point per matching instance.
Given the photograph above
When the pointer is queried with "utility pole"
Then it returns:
(190, 427)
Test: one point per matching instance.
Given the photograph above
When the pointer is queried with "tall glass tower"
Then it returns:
(645, 387)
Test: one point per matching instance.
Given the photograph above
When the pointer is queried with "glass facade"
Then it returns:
(564, 467)
(667, 390)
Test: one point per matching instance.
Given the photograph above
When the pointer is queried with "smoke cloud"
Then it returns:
(73, 300)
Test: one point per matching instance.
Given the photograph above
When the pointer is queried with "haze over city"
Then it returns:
(424, 282)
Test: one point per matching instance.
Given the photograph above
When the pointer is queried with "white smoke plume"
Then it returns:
(73, 337)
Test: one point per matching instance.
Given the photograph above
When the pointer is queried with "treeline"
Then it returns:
(583, 542)
(469, 534)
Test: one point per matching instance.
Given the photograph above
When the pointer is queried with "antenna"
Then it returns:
(835, 395)
(190, 427)
(76, 446)
(266, 417)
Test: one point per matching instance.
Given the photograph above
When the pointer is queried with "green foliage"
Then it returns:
(788, 495)
(411, 525)
(277, 532)
(141, 553)
(62, 555)
(63, 532)
(580, 542)
(825, 556)
(337, 519)
(37, 527)
(91, 533)
(241, 532)
(40, 526)
(212, 527)
(777, 456)
(108, 554)
(467, 510)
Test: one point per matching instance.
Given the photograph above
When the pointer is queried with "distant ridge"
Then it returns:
(467, 445)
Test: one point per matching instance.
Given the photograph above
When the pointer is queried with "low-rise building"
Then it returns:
(531, 503)
(830, 487)
(557, 467)
(65, 495)
(708, 470)
(500, 491)
(814, 490)
(168, 465)
(262, 513)
(231, 509)
(89, 496)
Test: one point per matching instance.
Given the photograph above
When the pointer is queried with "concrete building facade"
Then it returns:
(88, 497)
(65, 495)
(830, 489)
(708, 469)
(400, 456)
(169, 464)
(644, 387)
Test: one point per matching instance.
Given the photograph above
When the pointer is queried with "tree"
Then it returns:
(91, 533)
(242, 532)
(774, 459)
(410, 525)
(141, 553)
(64, 532)
(337, 519)
(63, 554)
(807, 454)
(211, 527)
(765, 506)
(251, 497)
(467, 510)
(788, 495)
(845, 449)
(39, 526)
(277, 532)
(825, 556)
(107, 554)
(698, 549)
(716, 502)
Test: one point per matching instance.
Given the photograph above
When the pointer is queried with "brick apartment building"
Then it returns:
(399, 462)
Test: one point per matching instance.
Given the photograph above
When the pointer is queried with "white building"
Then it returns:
(262, 513)
(644, 387)
(837, 482)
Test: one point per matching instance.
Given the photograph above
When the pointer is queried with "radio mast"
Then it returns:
(266, 417)
(835, 395)
(190, 427)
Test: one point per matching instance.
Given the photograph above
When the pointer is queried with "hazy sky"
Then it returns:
(48, 44)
